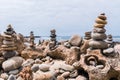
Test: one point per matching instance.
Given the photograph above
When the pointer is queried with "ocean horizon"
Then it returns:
(61, 38)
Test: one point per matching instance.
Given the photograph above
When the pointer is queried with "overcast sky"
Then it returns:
(68, 17)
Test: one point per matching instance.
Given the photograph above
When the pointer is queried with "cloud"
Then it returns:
(66, 16)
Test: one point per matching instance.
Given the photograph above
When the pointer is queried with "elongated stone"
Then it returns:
(99, 36)
(98, 44)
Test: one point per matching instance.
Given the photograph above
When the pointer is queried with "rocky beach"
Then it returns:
(96, 56)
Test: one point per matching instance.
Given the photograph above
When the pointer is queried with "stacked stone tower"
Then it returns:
(52, 39)
(32, 38)
(109, 40)
(87, 35)
(8, 47)
(98, 33)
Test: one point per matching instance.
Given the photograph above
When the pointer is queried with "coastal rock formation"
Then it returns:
(90, 58)
(98, 34)
(69, 55)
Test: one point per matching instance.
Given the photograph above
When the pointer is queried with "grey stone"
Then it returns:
(98, 44)
(98, 36)
(9, 54)
(44, 67)
(11, 77)
(14, 72)
(12, 63)
(35, 67)
(99, 30)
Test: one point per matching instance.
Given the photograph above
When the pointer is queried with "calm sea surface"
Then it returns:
(60, 38)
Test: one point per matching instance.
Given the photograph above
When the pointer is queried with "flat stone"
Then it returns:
(98, 36)
(99, 30)
(102, 17)
(9, 54)
(8, 42)
(99, 25)
(100, 21)
(98, 44)
(14, 72)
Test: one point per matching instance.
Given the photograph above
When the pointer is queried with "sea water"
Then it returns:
(60, 38)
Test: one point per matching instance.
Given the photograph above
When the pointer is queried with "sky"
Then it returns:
(68, 17)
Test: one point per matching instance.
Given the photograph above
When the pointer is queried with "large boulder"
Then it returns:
(12, 63)
(75, 40)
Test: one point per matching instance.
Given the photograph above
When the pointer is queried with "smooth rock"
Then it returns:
(12, 63)
(98, 36)
(75, 40)
(99, 25)
(100, 21)
(9, 54)
(98, 44)
(35, 67)
(108, 51)
(5, 42)
(103, 17)
(44, 67)
(99, 30)
(14, 72)
(11, 77)
(4, 76)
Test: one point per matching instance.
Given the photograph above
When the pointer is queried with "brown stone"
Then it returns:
(100, 21)
(99, 25)
(75, 40)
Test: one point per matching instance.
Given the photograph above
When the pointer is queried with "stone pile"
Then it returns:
(32, 38)
(98, 34)
(109, 40)
(87, 35)
(52, 39)
(8, 47)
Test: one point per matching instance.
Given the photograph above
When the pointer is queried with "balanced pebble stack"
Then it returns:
(8, 47)
(98, 34)
(87, 35)
(109, 40)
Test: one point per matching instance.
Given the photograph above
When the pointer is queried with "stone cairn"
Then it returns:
(53, 39)
(109, 40)
(32, 38)
(8, 47)
(98, 34)
(87, 35)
